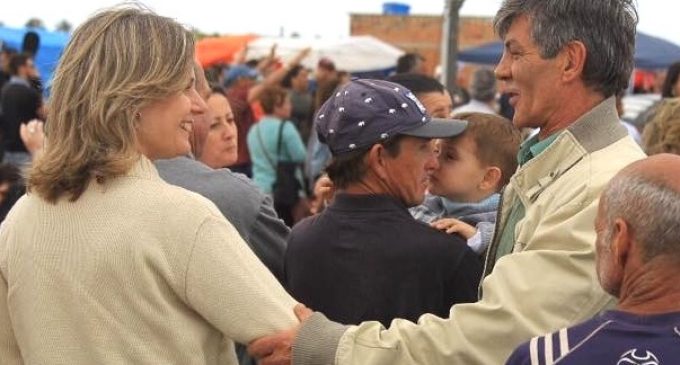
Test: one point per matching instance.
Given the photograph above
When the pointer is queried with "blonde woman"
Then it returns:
(104, 263)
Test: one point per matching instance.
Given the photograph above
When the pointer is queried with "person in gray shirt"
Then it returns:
(248, 209)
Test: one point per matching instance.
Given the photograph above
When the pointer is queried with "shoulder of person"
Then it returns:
(437, 240)
(304, 225)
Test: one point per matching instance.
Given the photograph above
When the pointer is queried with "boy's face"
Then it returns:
(459, 171)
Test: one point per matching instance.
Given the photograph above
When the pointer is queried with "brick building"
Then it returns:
(422, 34)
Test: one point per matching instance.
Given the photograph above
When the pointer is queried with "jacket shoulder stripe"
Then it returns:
(548, 343)
(564, 342)
(533, 351)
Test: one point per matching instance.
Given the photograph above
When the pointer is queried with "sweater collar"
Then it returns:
(144, 169)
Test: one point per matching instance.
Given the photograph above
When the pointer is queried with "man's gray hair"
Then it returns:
(650, 208)
(605, 27)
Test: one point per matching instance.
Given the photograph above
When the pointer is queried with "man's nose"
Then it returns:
(502, 70)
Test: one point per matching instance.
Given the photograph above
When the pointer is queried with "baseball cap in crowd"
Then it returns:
(235, 72)
(364, 112)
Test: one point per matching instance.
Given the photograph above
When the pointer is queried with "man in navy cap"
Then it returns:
(364, 257)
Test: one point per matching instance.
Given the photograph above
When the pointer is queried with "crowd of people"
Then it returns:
(266, 212)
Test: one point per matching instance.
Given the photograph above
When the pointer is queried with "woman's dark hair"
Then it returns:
(671, 79)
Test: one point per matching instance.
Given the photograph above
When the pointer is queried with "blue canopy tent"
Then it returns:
(650, 52)
(49, 51)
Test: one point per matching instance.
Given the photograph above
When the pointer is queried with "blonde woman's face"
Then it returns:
(220, 147)
(164, 126)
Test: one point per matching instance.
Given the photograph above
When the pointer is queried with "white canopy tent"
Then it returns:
(351, 54)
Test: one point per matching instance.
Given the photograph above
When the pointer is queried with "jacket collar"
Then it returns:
(593, 131)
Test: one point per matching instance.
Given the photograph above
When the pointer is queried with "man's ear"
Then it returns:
(574, 56)
(621, 242)
(376, 160)
(491, 179)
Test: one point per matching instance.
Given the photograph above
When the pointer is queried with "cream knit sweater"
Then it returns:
(135, 271)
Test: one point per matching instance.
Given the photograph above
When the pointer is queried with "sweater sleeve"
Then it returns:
(231, 288)
(483, 237)
(9, 350)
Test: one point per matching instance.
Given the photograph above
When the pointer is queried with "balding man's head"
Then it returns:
(645, 196)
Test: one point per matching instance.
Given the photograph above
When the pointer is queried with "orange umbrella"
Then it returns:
(214, 50)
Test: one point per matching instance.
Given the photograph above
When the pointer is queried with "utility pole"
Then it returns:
(449, 52)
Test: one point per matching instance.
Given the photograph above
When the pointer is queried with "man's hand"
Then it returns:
(277, 348)
(324, 190)
(33, 136)
(452, 225)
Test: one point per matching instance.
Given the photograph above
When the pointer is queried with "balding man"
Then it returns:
(638, 261)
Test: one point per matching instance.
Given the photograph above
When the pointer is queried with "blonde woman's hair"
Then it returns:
(117, 62)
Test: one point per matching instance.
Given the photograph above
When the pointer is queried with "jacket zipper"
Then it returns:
(493, 247)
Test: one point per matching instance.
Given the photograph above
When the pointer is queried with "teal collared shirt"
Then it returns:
(533, 147)
(529, 149)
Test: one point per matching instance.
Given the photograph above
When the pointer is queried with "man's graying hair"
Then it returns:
(650, 208)
(605, 27)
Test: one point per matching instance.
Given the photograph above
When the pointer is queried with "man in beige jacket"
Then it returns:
(562, 64)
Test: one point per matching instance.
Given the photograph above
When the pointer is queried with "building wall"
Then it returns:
(422, 33)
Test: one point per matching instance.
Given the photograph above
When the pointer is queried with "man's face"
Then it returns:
(28, 70)
(605, 266)
(4, 61)
(532, 82)
(301, 81)
(324, 75)
(407, 173)
(438, 105)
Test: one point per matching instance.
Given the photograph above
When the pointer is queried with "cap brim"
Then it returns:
(438, 128)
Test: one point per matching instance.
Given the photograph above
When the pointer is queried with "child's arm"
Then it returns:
(478, 238)
(482, 238)
(453, 225)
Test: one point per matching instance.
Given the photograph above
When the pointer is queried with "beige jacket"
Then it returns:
(548, 282)
(135, 271)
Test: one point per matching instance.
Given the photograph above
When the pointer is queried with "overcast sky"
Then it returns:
(328, 19)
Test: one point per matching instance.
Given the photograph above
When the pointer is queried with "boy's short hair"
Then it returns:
(496, 140)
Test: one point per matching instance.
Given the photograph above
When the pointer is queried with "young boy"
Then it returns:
(473, 167)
